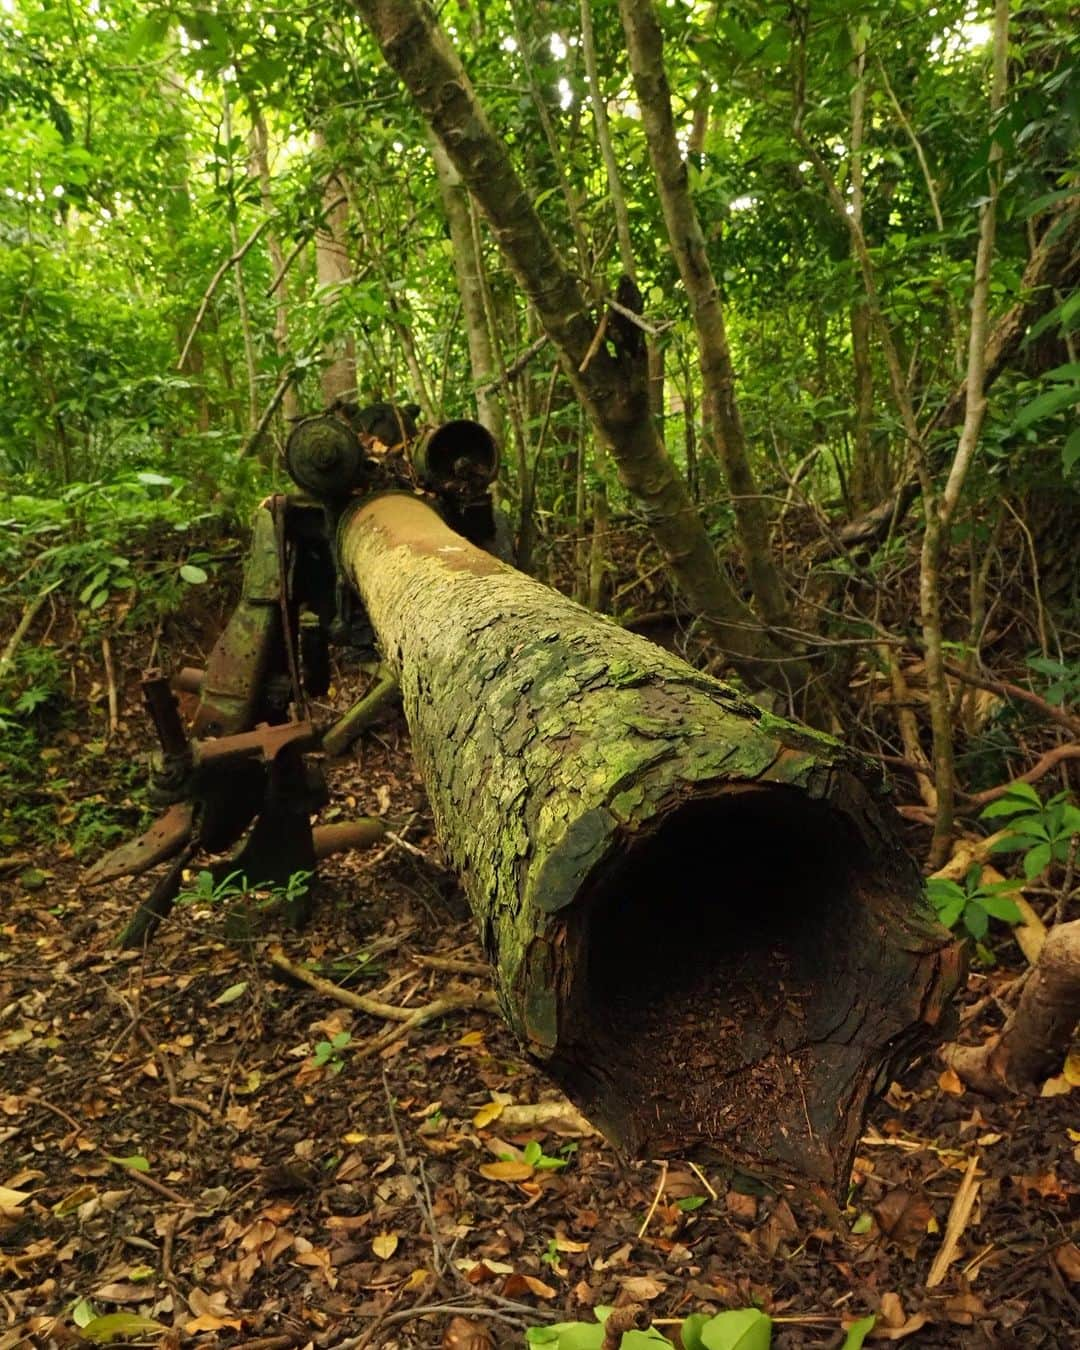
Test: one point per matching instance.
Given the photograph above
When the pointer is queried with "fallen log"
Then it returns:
(699, 917)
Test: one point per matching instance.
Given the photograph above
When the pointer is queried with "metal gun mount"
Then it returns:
(243, 775)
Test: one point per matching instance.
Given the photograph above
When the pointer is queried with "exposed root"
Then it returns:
(1036, 1037)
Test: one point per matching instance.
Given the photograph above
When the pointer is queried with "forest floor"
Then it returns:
(247, 1162)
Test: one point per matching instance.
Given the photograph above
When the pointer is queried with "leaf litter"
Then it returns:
(179, 1164)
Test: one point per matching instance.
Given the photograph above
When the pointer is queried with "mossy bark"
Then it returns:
(554, 747)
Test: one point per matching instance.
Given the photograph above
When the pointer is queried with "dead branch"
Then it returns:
(29, 614)
(1039, 769)
(480, 1001)
(1063, 716)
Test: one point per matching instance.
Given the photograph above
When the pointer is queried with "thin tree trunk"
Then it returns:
(238, 276)
(612, 385)
(607, 151)
(940, 510)
(333, 267)
(865, 487)
(467, 266)
(645, 47)
(260, 154)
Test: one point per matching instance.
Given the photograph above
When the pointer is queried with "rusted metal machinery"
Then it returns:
(699, 917)
(245, 773)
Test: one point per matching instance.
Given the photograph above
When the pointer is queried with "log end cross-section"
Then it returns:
(699, 917)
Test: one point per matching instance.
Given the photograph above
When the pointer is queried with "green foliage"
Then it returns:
(1042, 830)
(739, 1329)
(971, 906)
(328, 1053)
(1064, 677)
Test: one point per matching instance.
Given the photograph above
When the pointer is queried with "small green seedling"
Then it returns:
(329, 1052)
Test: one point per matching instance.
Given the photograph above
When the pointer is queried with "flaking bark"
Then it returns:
(553, 745)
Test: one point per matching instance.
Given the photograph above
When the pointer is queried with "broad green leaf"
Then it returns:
(1000, 907)
(950, 911)
(154, 479)
(689, 1203)
(858, 1332)
(231, 994)
(690, 1331)
(83, 1312)
(1070, 451)
(136, 1162)
(1037, 861)
(740, 1329)
(114, 1326)
(1013, 843)
(1004, 806)
(567, 1336)
(1046, 405)
(193, 575)
(976, 920)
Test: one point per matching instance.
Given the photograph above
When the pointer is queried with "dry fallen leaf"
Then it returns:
(508, 1169)
(1067, 1260)
(641, 1288)
(212, 1312)
(462, 1334)
(949, 1081)
(384, 1245)
(488, 1112)
(903, 1218)
(516, 1285)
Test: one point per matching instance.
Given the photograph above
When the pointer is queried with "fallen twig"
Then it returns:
(29, 614)
(959, 1214)
(656, 1200)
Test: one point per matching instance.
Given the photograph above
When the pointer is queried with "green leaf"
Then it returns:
(113, 1326)
(136, 1162)
(567, 1336)
(863, 1223)
(858, 1332)
(976, 920)
(231, 994)
(1003, 806)
(148, 32)
(154, 479)
(690, 1331)
(690, 1202)
(740, 1329)
(193, 575)
(1000, 907)
(97, 600)
(1070, 451)
(83, 1312)
(950, 911)
(1013, 843)
(1046, 405)
(1037, 861)
(532, 1153)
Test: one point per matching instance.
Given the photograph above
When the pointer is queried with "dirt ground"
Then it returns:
(202, 1142)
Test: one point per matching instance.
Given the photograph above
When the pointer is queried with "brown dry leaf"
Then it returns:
(779, 1225)
(892, 1311)
(1056, 1087)
(515, 1285)
(949, 1081)
(10, 1199)
(123, 1291)
(914, 1323)
(741, 1206)
(903, 1218)
(417, 1279)
(318, 1259)
(239, 1117)
(963, 1309)
(384, 1245)
(508, 1169)
(564, 1244)
(1067, 1260)
(641, 1288)
(462, 1334)
(212, 1312)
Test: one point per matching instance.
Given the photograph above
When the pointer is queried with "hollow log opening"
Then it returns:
(730, 997)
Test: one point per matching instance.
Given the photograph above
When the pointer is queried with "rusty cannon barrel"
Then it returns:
(699, 917)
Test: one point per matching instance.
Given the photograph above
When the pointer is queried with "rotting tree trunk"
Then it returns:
(699, 918)
(611, 385)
